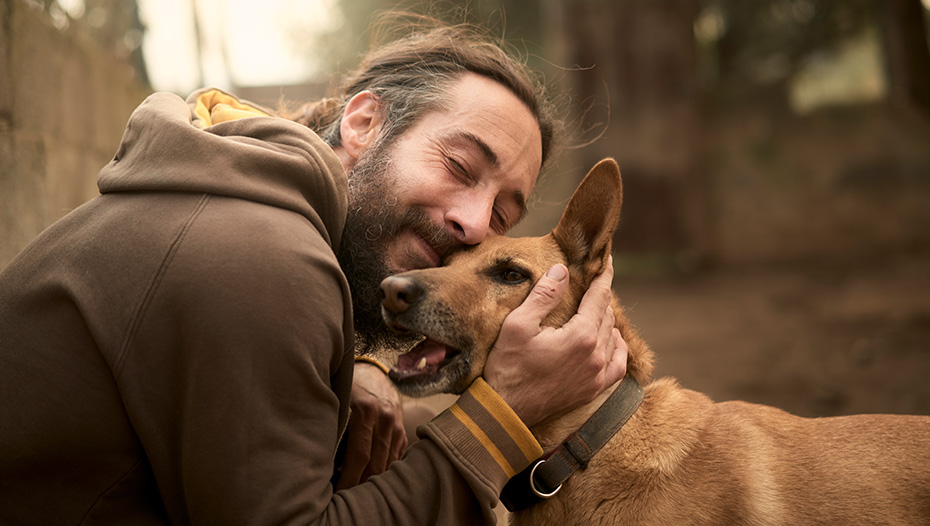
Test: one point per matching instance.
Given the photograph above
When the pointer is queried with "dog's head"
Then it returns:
(459, 308)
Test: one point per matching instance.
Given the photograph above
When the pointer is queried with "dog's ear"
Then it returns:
(587, 226)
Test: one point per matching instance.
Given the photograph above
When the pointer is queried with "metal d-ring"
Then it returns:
(533, 483)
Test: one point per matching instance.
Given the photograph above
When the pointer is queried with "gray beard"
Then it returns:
(372, 221)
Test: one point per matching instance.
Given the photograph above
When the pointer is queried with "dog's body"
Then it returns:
(680, 459)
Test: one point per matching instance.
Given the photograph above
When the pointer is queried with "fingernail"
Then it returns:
(557, 272)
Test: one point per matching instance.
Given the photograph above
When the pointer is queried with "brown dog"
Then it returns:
(681, 458)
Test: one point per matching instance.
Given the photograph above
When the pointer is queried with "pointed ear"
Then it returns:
(361, 124)
(587, 226)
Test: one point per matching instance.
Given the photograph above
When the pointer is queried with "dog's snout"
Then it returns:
(399, 293)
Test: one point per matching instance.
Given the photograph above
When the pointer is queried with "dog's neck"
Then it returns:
(554, 431)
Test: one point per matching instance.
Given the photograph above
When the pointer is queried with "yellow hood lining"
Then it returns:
(214, 106)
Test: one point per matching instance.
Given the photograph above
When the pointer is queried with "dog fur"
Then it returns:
(681, 459)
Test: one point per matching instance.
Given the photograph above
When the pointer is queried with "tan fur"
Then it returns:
(681, 459)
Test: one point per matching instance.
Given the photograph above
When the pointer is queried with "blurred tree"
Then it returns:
(639, 89)
(513, 20)
(907, 55)
(746, 50)
(765, 42)
(113, 24)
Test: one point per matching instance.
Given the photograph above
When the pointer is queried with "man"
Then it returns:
(180, 349)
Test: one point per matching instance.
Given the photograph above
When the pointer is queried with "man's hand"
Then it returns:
(376, 434)
(542, 372)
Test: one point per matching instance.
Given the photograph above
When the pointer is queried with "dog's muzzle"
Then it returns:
(399, 293)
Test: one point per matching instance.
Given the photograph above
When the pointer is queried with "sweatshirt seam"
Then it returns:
(152, 287)
(110, 488)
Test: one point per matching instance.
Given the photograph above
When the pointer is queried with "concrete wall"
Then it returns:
(64, 103)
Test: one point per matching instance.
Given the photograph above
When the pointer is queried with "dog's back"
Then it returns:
(682, 459)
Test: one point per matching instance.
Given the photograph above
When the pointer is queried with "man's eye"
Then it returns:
(458, 168)
(510, 276)
(498, 224)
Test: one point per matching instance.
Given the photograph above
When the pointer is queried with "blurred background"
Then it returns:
(775, 238)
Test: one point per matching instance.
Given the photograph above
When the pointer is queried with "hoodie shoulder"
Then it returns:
(213, 143)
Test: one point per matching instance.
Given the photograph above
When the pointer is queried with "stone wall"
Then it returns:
(64, 103)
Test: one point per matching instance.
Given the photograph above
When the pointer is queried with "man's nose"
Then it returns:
(470, 220)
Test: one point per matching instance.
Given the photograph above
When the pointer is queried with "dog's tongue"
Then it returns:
(424, 359)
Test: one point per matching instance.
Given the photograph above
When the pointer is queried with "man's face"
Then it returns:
(456, 175)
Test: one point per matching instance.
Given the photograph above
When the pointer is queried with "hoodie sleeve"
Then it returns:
(484, 436)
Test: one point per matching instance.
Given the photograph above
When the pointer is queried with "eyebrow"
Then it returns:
(482, 146)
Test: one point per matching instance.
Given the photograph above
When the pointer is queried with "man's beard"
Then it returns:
(373, 220)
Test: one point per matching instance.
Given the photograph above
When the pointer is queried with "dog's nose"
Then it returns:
(399, 293)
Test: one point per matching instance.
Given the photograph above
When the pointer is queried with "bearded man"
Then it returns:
(181, 349)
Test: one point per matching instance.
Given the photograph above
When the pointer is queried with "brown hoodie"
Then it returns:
(179, 349)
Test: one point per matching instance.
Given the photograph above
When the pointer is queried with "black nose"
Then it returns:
(399, 293)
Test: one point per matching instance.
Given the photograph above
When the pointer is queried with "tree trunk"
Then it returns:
(638, 88)
(907, 56)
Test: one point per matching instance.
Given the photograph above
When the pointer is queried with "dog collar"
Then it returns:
(544, 477)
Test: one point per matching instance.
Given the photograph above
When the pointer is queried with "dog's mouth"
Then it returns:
(437, 356)
(423, 363)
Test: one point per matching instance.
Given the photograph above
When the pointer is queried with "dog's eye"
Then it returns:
(511, 276)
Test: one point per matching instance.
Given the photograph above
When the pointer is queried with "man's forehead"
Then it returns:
(495, 116)
(484, 92)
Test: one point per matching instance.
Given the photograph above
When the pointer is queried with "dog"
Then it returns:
(680, 459)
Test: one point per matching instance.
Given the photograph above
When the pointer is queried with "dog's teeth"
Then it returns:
(421, 364)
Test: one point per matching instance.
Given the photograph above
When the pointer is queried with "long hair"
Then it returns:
(410, 76)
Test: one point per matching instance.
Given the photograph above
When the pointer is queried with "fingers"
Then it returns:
(605, 332)
(597, 298)
(371, 448)
(388, 445)
(581, 358)
(375, 435)
(380, 453)
(357, 454)
(399, 444)
(544, 297)
(616, 368)
(605, 344)
(606, 354)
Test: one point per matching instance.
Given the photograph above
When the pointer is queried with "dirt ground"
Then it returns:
(815, 340)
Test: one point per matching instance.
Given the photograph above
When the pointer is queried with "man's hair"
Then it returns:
(410, 76)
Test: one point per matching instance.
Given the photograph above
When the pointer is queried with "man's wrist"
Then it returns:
(484, 436)
(368, 359)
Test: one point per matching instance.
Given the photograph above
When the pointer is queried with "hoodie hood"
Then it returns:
(214, 143)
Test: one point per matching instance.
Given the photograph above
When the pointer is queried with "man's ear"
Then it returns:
(361, 124)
